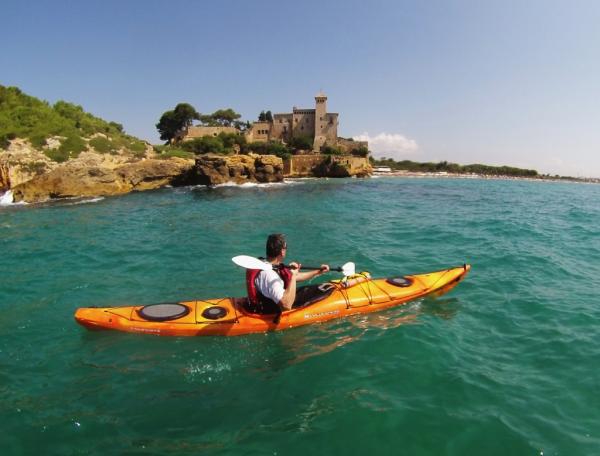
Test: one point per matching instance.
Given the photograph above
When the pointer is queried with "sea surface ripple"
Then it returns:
(507, 363)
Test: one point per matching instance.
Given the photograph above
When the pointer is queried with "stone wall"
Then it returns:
(199, 132)
(301, 165)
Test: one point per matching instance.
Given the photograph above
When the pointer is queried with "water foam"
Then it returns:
(256, 184)
(7, 199)
(86, 201)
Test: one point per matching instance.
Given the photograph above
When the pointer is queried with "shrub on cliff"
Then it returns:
(103, 145)
(204, 145)
(24, 116)
(361, 151)
(166, 152)
(223, 143)
(269, 148)
(301, 143)
(331, 150)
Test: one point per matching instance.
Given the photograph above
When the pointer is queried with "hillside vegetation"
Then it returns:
(453, 168)
(63, 130)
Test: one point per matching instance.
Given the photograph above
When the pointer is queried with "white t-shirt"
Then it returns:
(270, 285)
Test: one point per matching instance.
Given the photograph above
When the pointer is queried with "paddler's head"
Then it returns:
(276, 247)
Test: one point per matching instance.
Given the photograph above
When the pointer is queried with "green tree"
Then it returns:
(225, 117)
(172, 122)
(207, 120)
(301, 143)
(269, 116)
(262, 117)
(241, 125)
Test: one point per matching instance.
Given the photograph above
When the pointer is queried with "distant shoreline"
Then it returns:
(446, 175)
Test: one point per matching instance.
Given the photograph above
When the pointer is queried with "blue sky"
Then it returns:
(494, 82)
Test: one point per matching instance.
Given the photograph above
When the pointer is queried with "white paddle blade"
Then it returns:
(349, 269)
(249, 262)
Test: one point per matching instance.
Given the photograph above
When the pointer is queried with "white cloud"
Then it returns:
(389, 145)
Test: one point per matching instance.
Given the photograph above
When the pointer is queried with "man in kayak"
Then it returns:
(275, 290)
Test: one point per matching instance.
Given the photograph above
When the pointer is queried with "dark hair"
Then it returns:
(275, 244)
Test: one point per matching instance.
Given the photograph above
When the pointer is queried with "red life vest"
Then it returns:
(255, 297)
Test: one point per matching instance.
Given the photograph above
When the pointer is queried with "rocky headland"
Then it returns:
(32, 177)
(59, 150)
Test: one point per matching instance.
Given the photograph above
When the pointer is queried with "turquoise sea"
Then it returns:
(508, 363)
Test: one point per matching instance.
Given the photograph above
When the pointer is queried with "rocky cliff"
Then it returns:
(90, 177)
(343, 166)
(20, 163)
(33, 177)
(218, 169)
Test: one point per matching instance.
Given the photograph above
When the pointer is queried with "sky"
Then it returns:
(495, 82)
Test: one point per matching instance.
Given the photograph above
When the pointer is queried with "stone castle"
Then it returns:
(316, 124)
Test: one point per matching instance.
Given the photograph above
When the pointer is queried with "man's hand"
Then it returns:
(324, 268)
(294, 268)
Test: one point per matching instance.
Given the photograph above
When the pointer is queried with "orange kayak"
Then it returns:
(229, 316)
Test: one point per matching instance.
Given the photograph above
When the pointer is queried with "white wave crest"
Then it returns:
(257, 184)
(7, 199)
(86, 201)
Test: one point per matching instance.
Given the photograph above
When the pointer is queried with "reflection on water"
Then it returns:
(298, 345)
(445, 308)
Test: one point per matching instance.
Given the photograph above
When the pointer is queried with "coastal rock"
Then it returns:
(213, 169)
(343, 166)
(86, 177)
(151, 174)
(21, 163)
(69, 180)
(110, 161)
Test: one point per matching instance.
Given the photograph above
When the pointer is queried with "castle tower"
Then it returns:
(320, 120)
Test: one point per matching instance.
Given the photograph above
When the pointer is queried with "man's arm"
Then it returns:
(311, 274)
(289, 295)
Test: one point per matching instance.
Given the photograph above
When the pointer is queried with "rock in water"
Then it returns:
(343, 166)
(218, 169)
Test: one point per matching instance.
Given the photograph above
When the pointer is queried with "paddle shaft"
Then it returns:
(313, 268)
